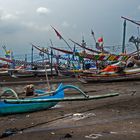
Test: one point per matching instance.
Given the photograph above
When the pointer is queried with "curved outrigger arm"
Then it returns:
(11, 91)
(63, 88)
(74, 87)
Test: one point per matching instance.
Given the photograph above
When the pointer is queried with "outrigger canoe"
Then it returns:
(127, 74)
(43, 101)
(21, 73)
(11, 106)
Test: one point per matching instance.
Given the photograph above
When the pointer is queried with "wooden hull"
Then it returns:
(13, 106)
(4, 73)
(31, 73)
(22, 108)
(131, 74)
(70, 73)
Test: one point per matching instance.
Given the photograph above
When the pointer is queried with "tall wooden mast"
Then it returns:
(124, 36)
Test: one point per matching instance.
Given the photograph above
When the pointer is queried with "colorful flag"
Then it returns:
(100, 40)
(99, 44)
(57, 33)
(7, 53)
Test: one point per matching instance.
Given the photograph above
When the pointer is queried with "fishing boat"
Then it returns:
(3, 72)
(127, 74)
(30, 73)
(17, 105)
(43, 101)
(70, 73)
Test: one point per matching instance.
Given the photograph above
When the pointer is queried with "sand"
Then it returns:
(105, 119)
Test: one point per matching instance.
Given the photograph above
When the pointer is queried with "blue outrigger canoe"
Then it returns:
(8, 106)
(43, 101)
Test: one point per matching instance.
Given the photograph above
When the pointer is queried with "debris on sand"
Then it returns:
(93, 136)
(79, 116)
(68, 135)
(9, 132)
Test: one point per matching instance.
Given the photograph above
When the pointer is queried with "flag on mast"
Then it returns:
(60, 37)
(99, 44)
(57, 33)
(100, 39)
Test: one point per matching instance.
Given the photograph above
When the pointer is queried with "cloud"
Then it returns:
(4, 15)
(8, 17)
(74, 26)
(43, 10)
(139, 7)
(65, 24)
(34, 26)
(19, 13)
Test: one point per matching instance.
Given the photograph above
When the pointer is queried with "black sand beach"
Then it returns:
(104, 119)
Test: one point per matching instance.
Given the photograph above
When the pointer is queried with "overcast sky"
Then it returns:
(28, 21)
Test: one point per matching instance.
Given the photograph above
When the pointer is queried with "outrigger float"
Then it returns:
(43, 101)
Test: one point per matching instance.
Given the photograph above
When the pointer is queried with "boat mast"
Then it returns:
(132, 21)
(124, 36)
(83, 44)
(32, 56)
(47, 79)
